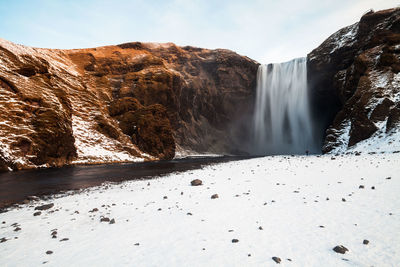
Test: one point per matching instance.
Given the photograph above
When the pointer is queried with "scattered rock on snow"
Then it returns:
(112, 221)
(17, 229)
(365, 242)
(196, 182)
(49, 252)
(361, 187)
(340, 249)
(64, 239)
(54, 234)
(276, 259)
(104, 219)
(3, 239)
(214, 196)
(235, 240)
(37, 213)
(45, 207)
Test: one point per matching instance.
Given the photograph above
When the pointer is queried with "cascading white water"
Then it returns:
(282, 121)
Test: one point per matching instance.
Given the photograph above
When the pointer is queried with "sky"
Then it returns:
(264, 30)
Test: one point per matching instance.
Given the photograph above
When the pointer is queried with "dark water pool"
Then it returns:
(16, 186)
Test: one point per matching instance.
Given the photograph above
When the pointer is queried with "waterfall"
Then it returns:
(282, 121)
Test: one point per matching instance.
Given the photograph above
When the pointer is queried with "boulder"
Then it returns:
(196, 182)
(277, 260)
(340, 249)
(45, 207)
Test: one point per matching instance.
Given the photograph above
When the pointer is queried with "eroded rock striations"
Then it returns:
(128, 102)
(355, 83)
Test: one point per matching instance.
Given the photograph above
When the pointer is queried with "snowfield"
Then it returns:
(297, 208)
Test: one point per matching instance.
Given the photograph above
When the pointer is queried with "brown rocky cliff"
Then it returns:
(118, 103)
(355, 81)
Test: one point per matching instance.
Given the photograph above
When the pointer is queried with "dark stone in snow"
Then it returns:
(17, 229)
(49, 252)
(37, 213)
(165, 197)
(112, 221)
(235, 240)
(361, 187)
(340, 249)
(104, 219)
(373, 187)
(3, 239)
(94, 210)
(343, 199)
(189, 213)
(276, 259)
(196, 182)
(137, 244)
(45, 207)
(365, 242)
(260, 228)
(214, 196)
(64, 239)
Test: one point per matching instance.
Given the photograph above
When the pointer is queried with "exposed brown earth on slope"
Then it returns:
(118, 103)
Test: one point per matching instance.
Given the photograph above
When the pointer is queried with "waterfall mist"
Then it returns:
(282, 121)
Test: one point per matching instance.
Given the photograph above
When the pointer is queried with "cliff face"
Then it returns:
(128, 102)
(355, 83)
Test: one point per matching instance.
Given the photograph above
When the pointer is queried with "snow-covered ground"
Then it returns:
(288, 207)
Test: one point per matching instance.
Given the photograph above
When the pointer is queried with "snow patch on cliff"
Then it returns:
(380, 141)
(344, 37)
(56, 58)
(93, 147)
(341, 137)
